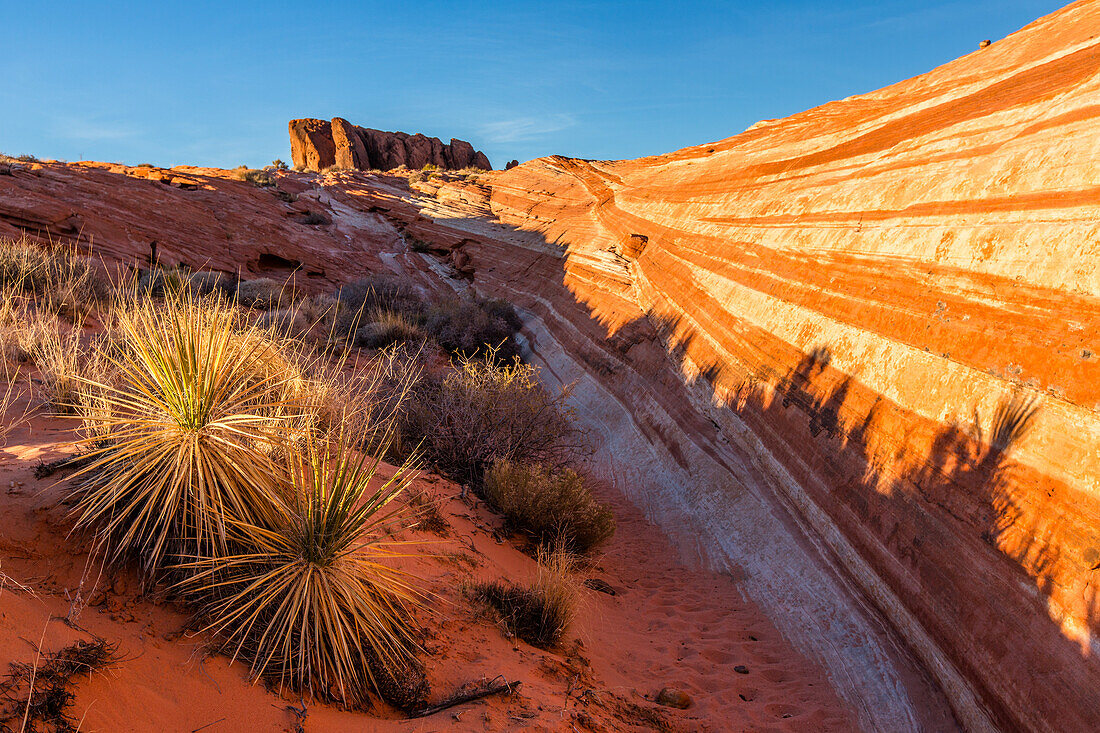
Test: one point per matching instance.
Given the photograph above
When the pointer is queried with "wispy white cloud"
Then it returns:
(72, 128)
(519, 129)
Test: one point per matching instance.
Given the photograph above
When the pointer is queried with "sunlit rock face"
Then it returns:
(317, 144)
(887, 310)
(852, 357)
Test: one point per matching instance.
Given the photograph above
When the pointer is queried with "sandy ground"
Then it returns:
(667, 624)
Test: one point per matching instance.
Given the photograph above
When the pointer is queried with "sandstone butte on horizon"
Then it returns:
(851, 357)
(318, 144)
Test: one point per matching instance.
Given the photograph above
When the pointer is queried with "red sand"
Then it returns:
(667, 625)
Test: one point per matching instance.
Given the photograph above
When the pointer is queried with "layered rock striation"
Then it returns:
(885, 315)
(850, 358)
(319, 144)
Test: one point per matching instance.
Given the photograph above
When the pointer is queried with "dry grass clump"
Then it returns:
(486, 411)
(12, 392)
(306, 596)
(259, 178)
(184, 443)
(538, 613)
(32, 336)
(39, 694)
(382, 328)
(21, 326)
(61, 359)
(60, 280)
(555, 507)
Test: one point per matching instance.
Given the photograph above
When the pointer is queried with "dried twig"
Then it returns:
(491, 688)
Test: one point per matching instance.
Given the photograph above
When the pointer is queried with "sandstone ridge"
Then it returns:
(884, 315)
(318, 144)
(851, 357)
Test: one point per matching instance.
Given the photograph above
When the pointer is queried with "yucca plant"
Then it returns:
(183, 435)
(310, 598)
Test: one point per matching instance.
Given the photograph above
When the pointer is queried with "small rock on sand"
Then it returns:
(674, 698)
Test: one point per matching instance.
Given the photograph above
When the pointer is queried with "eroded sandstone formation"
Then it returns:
(317, 144)
(887, 313)
(850, 358)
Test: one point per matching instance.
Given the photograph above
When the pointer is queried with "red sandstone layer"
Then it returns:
(855, 294)
(851, 293)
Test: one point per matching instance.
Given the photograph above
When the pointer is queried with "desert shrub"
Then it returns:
(308, 598)
(162, 282)
(278, 165)
(289, 322)
(314, 218)
(260, 178)
(186, 445)
(382, 292)
(467, 328)
(394, 383)
(206, 282)
(430, 167)
(555, 507)
(319, 307)
(416, 177)
(380, 299)
(538, 613)
(502, 309)
(487, 411)
(263, 293)
(27, 158)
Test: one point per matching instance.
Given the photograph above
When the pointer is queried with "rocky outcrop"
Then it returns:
(317, 144)
(850, 358)
(311, 144)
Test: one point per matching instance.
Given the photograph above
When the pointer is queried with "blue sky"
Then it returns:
(215, 83)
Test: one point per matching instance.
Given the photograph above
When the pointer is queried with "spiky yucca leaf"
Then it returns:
(310, 600)
(183, 434)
